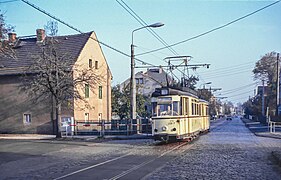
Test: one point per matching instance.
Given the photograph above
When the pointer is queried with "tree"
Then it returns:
(266, 69)
(227, 107)
(54, 76)
(121, 102)
(5, 46)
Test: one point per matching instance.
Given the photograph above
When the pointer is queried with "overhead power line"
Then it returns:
(143, 23)
(212, 30)
(227, 68)
(79, 31)
(226, 71)
(229, 91)
(225, 75)
(8, 1)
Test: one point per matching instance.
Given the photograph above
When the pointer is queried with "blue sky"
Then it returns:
(232, 51)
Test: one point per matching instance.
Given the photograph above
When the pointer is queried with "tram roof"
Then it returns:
(165, 91)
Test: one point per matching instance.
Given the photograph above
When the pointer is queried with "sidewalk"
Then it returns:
(261, 129)
(84, 138)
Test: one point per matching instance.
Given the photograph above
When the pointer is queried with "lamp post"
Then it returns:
(205, 84)
(133, 80)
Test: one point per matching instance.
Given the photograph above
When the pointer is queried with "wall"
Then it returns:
(13, 103)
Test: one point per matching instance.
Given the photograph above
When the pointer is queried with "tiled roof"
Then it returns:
(25, 48)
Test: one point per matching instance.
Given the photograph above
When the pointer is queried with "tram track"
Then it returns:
(140, 163)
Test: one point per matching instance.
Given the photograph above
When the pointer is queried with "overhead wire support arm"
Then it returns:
(176, 66)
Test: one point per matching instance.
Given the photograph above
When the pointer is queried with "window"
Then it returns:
(87, 117)
(27, 118)
(141, 81)
(186, 107)
(96, 64)
(100, 115)
(87, 91)
(90, 63)
(175, 108)
(100, 92)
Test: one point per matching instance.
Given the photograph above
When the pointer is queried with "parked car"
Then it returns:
(228, 117)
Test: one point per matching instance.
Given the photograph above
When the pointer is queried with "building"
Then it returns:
(147, 82)
(20, 114)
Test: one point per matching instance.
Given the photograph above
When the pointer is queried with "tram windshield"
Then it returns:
(165, 108)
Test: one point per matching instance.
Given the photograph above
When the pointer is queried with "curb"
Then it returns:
(26, 137)
(267, 136)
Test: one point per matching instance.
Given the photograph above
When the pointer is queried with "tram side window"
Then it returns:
(154, 109)
(192, 108)
(175, 108)
(182, 112)
(186, 107)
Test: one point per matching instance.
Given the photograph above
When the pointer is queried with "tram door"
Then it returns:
(184, 113)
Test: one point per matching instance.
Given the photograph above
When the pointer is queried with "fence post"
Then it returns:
(72, 126)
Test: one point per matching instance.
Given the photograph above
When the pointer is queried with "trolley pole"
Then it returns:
(277, 86)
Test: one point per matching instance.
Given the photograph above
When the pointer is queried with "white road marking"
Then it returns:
(90, 167)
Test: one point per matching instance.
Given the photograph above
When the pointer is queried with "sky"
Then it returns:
(231, 51)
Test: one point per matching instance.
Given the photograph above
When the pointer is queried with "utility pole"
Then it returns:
(277, 86)
(262, 104)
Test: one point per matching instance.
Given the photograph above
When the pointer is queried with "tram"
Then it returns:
(178, 114)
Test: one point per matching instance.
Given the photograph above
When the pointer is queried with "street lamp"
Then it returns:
(205, 84)
(133, 80)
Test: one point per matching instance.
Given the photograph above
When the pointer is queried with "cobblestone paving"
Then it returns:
(229, 151)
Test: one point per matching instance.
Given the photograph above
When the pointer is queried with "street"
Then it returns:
(229, 151)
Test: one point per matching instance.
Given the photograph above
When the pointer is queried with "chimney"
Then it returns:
(160, 70)
(12, 37)
(40, 33)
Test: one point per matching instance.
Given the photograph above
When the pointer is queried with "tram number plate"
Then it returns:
(171, 122)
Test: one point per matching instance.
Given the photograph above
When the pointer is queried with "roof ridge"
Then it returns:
(61, 36)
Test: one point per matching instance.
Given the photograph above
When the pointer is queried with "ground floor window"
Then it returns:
(87, 117)
(27, 118)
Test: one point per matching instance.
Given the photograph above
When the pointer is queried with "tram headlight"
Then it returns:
(164, 128)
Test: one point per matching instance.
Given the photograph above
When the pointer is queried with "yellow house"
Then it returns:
(19, 114)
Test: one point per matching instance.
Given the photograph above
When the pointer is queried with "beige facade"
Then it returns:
(99, 100)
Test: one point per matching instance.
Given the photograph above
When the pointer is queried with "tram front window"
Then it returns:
(167, 110)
